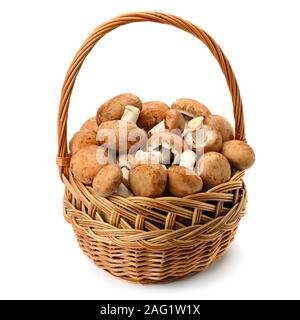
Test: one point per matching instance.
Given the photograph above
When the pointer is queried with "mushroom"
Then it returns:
(90, 124)
(107, 180)
(213, 168)
(130, 114)
(113, 109)
(126, 162)
(148, 180)
(190, 108)
(183, 181)
(87, 162)
(224, 126)
(150, 157)
(166, 140)
(82, 139)
(188, 159)
(152, 113)
(240, 155)
(173, 122)
(203, 136)
(121, 136)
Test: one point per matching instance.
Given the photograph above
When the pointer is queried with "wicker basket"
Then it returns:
(142, 239)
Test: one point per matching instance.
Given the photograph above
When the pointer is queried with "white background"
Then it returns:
(39, 256)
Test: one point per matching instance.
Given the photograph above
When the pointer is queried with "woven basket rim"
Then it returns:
(152, 239)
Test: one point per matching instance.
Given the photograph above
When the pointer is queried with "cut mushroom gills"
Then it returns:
(148, 149)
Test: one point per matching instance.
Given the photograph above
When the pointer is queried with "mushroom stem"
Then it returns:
(125, 173)
(188, 159)
(123, 191)
(160, 127)
(130, 114)
(193, 135)
(195, 123)
(165, 156)
(176, 159)
(151, 157)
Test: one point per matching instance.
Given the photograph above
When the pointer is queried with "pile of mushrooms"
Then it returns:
(149, 149)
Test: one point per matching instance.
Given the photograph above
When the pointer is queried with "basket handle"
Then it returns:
(63, 158)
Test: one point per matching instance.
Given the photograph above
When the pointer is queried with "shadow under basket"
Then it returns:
(146, 240)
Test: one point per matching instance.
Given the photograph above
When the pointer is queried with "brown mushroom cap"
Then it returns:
(191, 108)
(113, 109)
(119, 133)
(183, 181)
(87, 162)
(152, 113)
(214, 169)
(148, 180)
(174, 120)
(223, 125)
(82, 139)
(166, 138)
(90, 124)
(240, 155)
(107, 180)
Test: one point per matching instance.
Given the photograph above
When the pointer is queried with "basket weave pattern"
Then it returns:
(142, 239)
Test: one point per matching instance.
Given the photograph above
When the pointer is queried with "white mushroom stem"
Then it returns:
(188, 159)
(126, 160)
(130, 114)
(195, 123)
(153, 157)
(123, 191)
(125, 173)
(176, 159)
(160, 127)
(193, 134)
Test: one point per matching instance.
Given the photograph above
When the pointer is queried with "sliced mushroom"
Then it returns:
(214, 169)
(107, 180)
(148, 180)
(152, 113)
(113, 109)
(191, 108)
(183, 181)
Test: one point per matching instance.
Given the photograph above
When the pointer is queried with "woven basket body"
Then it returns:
(142, 239)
